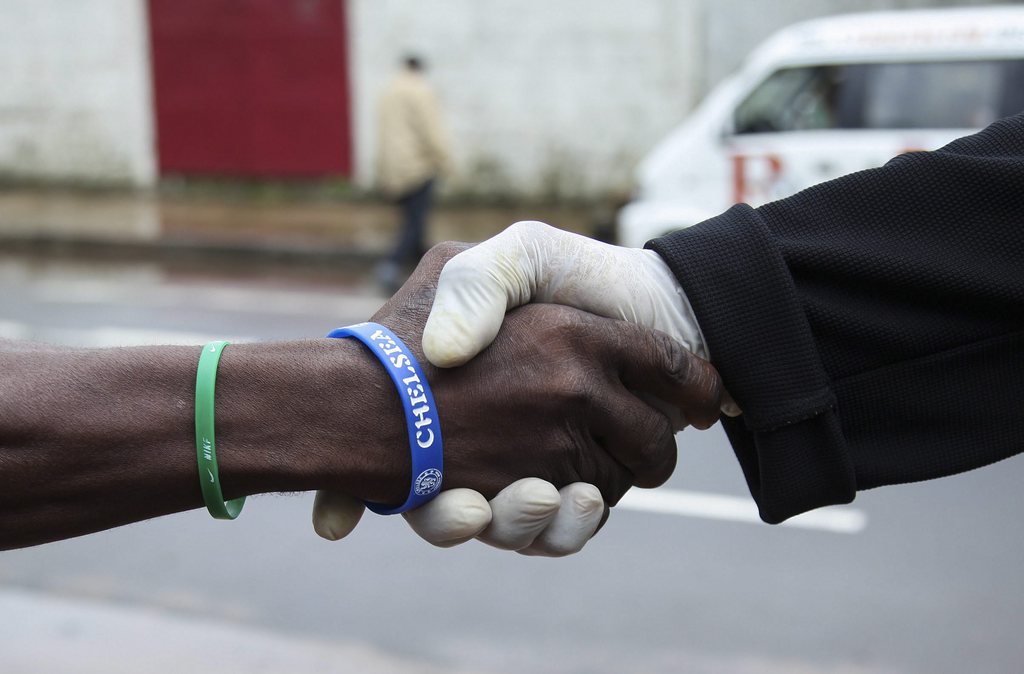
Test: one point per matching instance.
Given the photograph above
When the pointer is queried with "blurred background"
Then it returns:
(173, 171)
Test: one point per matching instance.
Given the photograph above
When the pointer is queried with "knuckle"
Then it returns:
(561, 546)
(610, 477)
(662, 458)
(535, 498)
(655, 454)
(565, 335)
(562, 323)
(530, 228)
(574, 392)
(588, 463)
(709, 383)
(620, 484)
(445, 251)
(678, 361)
(456, 265)
(585, 498)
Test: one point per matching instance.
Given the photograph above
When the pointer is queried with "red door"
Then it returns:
(251, 87)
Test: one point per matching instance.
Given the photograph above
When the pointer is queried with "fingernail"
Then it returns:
(731, 409)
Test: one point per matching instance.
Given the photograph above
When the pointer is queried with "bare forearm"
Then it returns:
(91, 439)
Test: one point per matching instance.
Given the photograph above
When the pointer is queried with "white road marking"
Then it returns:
(12, 330)
(721, 507)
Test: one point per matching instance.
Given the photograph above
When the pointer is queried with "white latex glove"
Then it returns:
(534, 262)
(529, 516)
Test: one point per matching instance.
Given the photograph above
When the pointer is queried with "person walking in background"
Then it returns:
(412, 154)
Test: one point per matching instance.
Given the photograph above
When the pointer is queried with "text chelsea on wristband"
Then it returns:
(424, 427)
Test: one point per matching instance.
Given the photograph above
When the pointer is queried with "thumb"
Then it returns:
(335, 514)
(476, 288)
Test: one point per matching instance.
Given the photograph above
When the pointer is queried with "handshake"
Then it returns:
(549, 406)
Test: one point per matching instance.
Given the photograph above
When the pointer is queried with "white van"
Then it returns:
(827, 97)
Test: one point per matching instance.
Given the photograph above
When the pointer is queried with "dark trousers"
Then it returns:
(414, 207)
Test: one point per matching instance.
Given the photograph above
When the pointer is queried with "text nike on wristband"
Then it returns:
(206, 446)
(420, 412)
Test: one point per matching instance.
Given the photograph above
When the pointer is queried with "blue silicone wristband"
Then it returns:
(420, 412)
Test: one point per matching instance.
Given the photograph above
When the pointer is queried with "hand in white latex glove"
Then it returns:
(534, 262)
(529, 516)
(530, 261)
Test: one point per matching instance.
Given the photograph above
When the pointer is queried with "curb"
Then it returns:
(182, 250)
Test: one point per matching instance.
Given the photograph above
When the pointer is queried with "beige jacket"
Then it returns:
(413, 146)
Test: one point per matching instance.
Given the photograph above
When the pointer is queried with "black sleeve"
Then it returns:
(872, 327)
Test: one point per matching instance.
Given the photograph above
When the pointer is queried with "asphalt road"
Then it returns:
(920, 578)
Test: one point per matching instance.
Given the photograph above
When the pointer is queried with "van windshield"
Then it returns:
(927, 95)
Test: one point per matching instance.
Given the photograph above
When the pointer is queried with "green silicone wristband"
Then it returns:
(206, 448)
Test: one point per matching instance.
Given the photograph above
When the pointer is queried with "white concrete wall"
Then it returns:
(75, 101)
(544, 98)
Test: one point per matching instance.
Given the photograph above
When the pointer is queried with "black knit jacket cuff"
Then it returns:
(788, 440)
